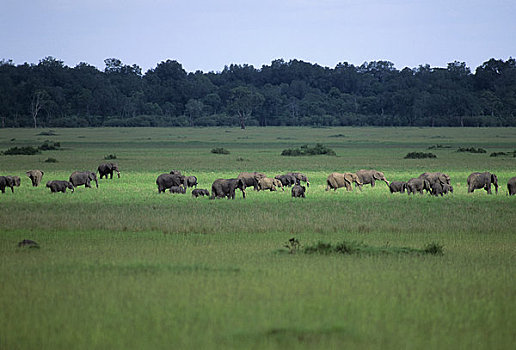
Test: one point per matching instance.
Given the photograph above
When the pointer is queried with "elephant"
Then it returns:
(226, 188)
(108, 169)
(437, 189)
(447, 188)
(178, 189)
(266, 183)
(165, 181)
(251, 179)
(175, 172)
(200, 192)
(59, 186)
(369, 177)
(442, 178)
(9, 181)
(398, 186)
(418, 185)
(482, 180)
(511, 186)
(338, 180)
(286, 180)
(300, 177)
(278, 183)
(191, 181)
(78, 178)
(35, 176)
(298, 191)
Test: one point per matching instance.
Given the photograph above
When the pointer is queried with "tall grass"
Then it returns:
(122, 266)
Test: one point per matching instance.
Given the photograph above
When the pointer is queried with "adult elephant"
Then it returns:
(511, 186)
(165, 181)
(266, 183)
(79, 178)
(106, 169)
(370, 176)
(418, 185)
(9, 181)
(35, 176)
(286, 180)
(300, 177)
(251, 178)
(441, 178)
(59, 186)
(226, 188)
(482, 180)
(338, 180)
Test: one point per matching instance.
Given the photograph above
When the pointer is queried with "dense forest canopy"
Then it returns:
(51, 94)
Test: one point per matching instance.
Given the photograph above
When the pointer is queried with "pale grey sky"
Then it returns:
(207, 35)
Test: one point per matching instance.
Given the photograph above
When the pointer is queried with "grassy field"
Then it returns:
(122, 266)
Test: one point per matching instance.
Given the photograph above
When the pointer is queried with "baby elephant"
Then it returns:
(298, 191)
(398, 186)
(200, 192)
(59, 186)
(178, 189)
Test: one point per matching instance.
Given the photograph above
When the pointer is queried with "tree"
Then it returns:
(244, 102)
(39, 99)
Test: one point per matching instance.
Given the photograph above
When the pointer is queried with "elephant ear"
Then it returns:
(348, 177)
(494, 179)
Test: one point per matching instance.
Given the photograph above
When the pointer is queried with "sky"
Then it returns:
(208, 35)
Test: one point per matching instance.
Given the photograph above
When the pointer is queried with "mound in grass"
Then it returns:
(471, 150)
(220, 150)
(27, 150)
(358, 248)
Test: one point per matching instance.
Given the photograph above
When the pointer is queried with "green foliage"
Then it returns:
(25, 150)
(110, 156)
(438, 146)
(50, 160)
(219, 150)
(471, 150)
(419, 155)
(292, 245)
(49, 146)
(306, 150)
(359, 248)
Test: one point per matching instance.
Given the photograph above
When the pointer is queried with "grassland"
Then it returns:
(123, 267)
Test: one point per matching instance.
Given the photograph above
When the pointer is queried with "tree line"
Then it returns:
(294, 93)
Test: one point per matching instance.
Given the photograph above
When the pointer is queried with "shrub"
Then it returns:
(110, 156)
(220, 150)
(438, 146)
(51, 160)
(49, 146)
(498, 154)
(306, 150)
(359, 248)
(419, 155)
(471, 150)
(27, 150)
(47, 133)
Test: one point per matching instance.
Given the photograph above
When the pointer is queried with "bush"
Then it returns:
(472, 150)
(419, 155)
(49, 146)
(110, 156)
(306, 150)
(51, 160)
(47, 133)
(28, 150)
(438, 146)
(220, 150)
(358, 248)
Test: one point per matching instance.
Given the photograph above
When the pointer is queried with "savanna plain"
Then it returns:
(123, 267)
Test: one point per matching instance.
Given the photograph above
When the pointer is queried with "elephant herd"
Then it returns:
(175, 182)
(435, 183)
(77, 178)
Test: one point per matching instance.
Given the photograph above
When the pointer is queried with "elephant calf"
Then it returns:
(266, 183)
(178, 189)
(59, 186)
(398, 186)
(191, 181)
(108, 169)
(200, 192)
(418, 185)
(298, 191)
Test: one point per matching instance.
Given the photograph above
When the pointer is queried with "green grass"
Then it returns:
(122, 266)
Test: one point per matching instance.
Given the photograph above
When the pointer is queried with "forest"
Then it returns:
(293, 93)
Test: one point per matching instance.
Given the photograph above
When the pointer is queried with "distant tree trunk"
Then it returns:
(241, 119)
(36, 106)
